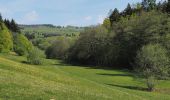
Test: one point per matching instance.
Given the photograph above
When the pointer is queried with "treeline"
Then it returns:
(12, 25)
(49, 25)
(43, 35)
(116, 42)
(48, 30)
(12, 40)
(137, 38)
(37, 25)
(138, 9)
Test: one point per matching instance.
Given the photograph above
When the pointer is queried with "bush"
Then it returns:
(151, 83)
(59, 48)
(152, 63)
(6, 42)
(22, 45)
(93, 47)
(35, 56)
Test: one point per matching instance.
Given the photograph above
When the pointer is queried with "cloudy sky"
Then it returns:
(60, 12)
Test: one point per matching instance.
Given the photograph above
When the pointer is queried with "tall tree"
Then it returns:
(7, 23)
(14, 26)
(168, 7)
(128, 10)
(152, 63)
(22, 45)
(115, 16)
(1, 20)
(6, 42)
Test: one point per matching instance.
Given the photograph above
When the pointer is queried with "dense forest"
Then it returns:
(137, 38)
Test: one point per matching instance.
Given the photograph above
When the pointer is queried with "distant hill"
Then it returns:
(37, 25)
(49, 30)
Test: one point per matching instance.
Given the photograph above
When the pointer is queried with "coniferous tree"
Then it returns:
(6, 21)
(14, 26)
(128, 10)
(168, 7)
(115, 16)
(1, 20)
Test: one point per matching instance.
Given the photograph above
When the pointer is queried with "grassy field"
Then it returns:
(57, 81)
(47, 30)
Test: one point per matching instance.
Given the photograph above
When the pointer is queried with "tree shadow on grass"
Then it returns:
(24, 62)
(97, 67)
(89, 66)
(62, 63)
(129, 87)
(114, 74)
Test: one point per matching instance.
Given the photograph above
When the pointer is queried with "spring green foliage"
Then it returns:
(152, 63)
(35, 56)
(22, 45)
(138, 37)
(6, 42)
(44, 35)
(119, 46)
(106, 23)
(31, 31)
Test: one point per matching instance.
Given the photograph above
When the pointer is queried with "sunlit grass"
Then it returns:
(54, 80)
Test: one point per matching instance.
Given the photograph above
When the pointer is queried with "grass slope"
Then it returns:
(54, 80)
(44, 29)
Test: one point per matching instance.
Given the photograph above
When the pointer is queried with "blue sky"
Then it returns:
(60, 12)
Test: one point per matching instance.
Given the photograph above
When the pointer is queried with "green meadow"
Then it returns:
(58, 81)
(84, 51)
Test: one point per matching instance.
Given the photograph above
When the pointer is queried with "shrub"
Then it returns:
(59, 48)
(35, 56)
(6, 42)
(92, 47)
(22, 45)
(152, 63)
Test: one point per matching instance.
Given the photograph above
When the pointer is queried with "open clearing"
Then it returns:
(58, 81)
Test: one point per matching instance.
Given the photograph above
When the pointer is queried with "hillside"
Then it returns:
(50, 30)
(117, 54)
(55, 80)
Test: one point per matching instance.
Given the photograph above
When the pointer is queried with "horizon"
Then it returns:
(74, 12)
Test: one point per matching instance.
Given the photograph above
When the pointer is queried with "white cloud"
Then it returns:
(100, 18)
(30, 17)
(88, 18)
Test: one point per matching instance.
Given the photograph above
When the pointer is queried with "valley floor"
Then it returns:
(57, 81)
